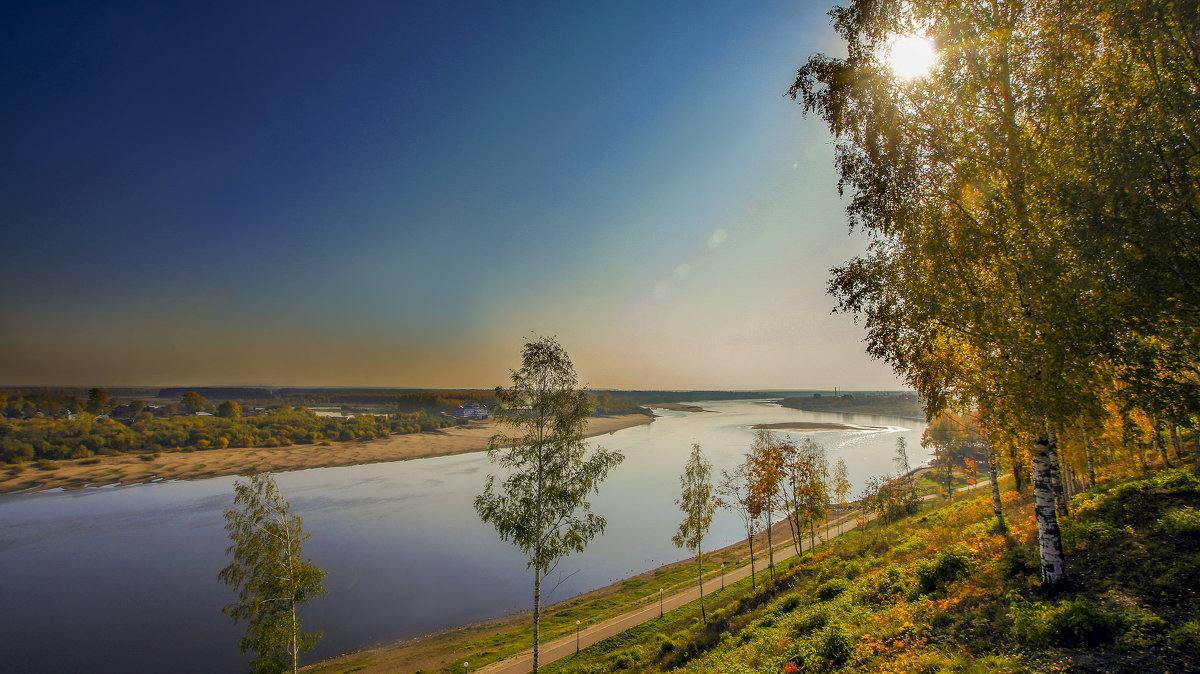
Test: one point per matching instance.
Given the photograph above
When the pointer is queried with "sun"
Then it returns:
(909, 56)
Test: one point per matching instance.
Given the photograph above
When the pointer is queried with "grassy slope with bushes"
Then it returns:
(946, 591)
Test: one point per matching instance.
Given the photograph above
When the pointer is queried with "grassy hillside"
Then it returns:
(948, 591)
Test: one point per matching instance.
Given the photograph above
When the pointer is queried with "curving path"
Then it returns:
(563, 647)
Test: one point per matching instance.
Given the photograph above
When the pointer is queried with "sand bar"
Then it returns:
(678, 407)
(131, 469)
(817, 426)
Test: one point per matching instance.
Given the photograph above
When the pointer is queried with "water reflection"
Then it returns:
(128, 576)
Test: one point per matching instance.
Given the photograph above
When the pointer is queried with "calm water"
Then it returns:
(125, 578)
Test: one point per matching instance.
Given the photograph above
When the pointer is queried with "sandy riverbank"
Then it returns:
(131, 469)
(678, 407)
(816, 426)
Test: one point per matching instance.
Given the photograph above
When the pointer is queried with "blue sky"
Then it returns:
(397, 194)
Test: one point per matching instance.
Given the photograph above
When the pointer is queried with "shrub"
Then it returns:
(1187, 635)
(788, 604)
(835, 645)
(882, 587)
(1081, 535)
(949, 565)
(1018, 561)
(857, 566)
(1181, 521)
(1072, 622)
(831, 588)
(812, 619)
(47, 464)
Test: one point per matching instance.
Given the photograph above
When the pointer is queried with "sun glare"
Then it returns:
(909, 56)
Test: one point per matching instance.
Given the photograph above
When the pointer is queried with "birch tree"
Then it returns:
(272, 579)
(841, 486)
(733, 493)
(766, 475)
(541, 503)
(698, 505)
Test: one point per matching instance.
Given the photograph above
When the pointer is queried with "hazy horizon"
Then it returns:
(379, 194)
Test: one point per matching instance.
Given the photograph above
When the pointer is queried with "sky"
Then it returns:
(401, 193)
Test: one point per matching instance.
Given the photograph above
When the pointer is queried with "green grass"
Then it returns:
(945, 591)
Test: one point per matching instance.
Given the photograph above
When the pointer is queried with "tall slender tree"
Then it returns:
(841, 486)
(698, 505)
(541, 505)
(272, 579)
(734, 494)
(766, 476)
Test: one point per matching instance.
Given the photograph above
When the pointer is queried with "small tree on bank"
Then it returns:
(273, 582)
(541, 506)
(841, 486)
(765, 462)
(697, 503)
(734, 494)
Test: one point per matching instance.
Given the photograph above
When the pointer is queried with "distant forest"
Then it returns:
(903, 405)
(47, 424)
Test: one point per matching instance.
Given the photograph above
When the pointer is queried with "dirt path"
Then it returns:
(567, 646)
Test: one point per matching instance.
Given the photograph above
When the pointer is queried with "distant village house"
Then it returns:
(471, 411)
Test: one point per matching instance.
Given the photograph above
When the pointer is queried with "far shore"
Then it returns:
(816, 426)
(678, 407)
(131, 469)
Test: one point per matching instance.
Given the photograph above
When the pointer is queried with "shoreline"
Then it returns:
(678, 407)
(438, 650)
(817, 426)
(129, 469)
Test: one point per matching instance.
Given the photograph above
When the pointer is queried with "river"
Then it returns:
(117, 579)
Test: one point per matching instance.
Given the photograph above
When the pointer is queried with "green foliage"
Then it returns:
(949, 565)
(1181, 522)
(229, 409)
(811, 619)
(57, 439)
(193, 402)
(1018, 561)
(831, 588)
(97, 401)
(1077, 534)
(835, 645)
(542, 504)
(696, 501)
(271, 578)
(1080, 622)
(1187, 635)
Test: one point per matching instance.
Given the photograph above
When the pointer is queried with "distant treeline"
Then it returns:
(390, 400)
(903, 405)
(651, 397)
(85, 436)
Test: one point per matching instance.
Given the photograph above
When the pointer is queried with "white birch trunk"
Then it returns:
(1087, 452)
(770, 545)
(1055, 475)
(537, 613)
(993, 474)
(1049, 539)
